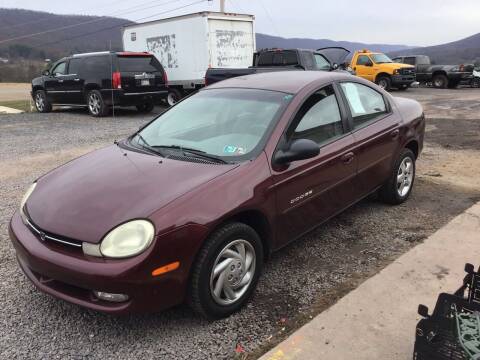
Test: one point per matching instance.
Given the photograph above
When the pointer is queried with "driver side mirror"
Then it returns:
(335, 66)
(46, 73)
(423, 311)
(299, 149)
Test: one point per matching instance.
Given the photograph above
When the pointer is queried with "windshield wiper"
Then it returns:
(197, 152)
(146, 146)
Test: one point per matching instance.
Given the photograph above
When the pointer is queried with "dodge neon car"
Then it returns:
(188, 208)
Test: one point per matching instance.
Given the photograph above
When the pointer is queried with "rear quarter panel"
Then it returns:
(413, 120)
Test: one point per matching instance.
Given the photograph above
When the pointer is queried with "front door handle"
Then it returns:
(76, 79)
(394, 133)
(348, 157)
(60, 81)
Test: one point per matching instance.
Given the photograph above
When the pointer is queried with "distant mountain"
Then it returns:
(95, 33)
(269, 41)
(16, 23)
(462, 51)
(100, 33)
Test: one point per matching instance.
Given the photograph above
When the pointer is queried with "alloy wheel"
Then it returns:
(382, 83)
(172, 99)
(39, 102)
(232, 272)
(405, 177)
(94, 103)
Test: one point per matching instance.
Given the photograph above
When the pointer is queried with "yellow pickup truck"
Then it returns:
(380, 69)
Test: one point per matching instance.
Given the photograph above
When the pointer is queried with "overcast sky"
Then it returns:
(409, 22)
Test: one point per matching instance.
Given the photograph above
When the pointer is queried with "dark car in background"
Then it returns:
(189, 207)
(440, 76)
(101, 80)
(270, 60)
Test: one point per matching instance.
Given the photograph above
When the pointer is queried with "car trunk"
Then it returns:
(140, 73)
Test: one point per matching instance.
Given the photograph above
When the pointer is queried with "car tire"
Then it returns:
(222, 251)
(399, 186)
(173, 96)
(403, 87)
(384, 82)
(41, 103)
(96, 105)
(476, 83)
(440, 81)
(146, 108)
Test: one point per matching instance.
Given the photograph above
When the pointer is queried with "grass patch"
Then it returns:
(23, 105)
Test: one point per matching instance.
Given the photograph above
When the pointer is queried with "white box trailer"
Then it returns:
(188, 45)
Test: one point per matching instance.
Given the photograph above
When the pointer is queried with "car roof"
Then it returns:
(290, 81)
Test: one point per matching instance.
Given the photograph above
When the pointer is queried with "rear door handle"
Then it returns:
(348, 157)
(60, 81)
(394, 133)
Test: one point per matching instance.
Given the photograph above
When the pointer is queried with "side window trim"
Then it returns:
(353, 129)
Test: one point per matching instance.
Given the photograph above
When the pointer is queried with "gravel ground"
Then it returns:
(298, 282)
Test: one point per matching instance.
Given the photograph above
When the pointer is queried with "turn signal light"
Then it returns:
(166, 268)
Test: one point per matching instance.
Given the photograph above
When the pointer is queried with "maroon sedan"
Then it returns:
(189, 207)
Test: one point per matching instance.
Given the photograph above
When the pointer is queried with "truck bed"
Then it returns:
(214, 75)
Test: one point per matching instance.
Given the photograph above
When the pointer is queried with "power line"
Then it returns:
(117, 26)
(82, 23)
(49, 18)
(269, 17)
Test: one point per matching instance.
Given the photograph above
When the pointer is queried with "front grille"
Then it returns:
(43, 235)
(407, 71)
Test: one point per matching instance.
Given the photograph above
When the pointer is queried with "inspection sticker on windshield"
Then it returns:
(230, 149)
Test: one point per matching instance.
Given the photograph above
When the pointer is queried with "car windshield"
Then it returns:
(227, 123)
(380, 58)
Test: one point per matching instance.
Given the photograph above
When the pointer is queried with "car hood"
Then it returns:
(393, 66)
(334, 54)
(87, 197)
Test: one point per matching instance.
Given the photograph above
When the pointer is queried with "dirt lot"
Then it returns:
(297, 283)
(14, 91)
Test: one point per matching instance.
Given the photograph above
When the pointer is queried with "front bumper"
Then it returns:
(401, 80)
(72, 276)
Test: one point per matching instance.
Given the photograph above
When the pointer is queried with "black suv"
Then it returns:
(100, 81)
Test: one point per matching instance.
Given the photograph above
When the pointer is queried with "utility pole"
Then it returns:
(222, 6)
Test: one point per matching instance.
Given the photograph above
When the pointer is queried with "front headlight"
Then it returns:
(25, 198)
(126, 240)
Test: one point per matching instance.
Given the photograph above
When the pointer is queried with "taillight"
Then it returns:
(462, 68)
(116, 80)
(206, 82)
(165, 78)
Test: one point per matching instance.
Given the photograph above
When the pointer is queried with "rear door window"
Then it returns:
(139, 64)
(365, 104)
(97, 66)
(409, 60)
(74, 66)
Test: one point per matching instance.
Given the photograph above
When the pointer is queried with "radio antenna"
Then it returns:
(111, 82)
